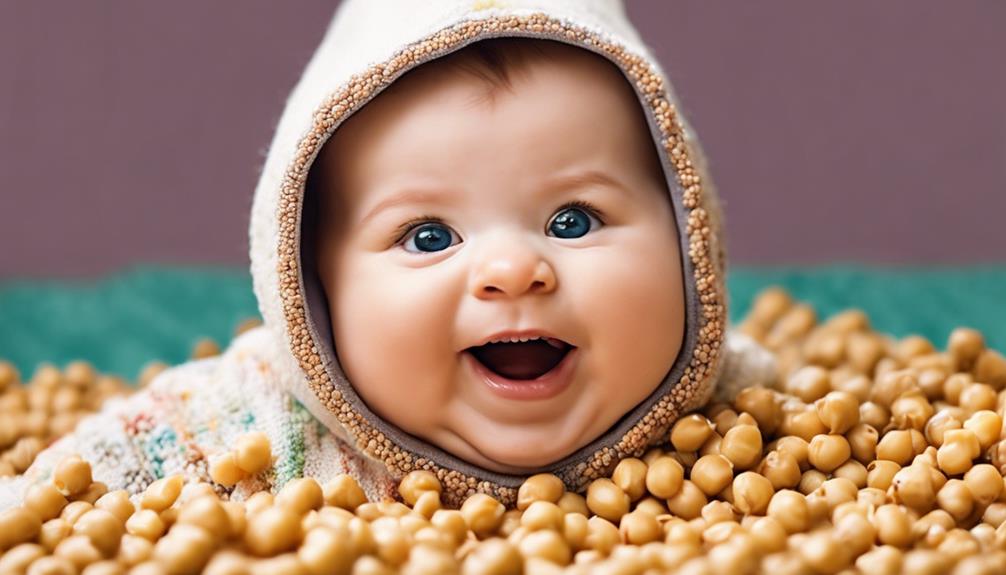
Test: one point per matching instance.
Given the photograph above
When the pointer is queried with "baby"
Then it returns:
(483, 244)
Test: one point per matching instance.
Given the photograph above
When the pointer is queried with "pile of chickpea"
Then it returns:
(872, 455)
(49, 406)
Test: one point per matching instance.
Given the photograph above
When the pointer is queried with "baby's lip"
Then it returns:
(527, 334)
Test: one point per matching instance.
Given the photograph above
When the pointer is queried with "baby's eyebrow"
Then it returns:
(582, 179)
(407, 196)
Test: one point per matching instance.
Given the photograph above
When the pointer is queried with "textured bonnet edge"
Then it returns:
(302, 317)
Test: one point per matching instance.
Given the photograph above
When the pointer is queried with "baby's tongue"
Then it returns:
(519, 360)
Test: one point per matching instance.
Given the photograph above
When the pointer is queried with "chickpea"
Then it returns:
(880, 473)
(630, 476)
(542, 515)
(964, 346)
(493, 557)
(811, 480)
(52, 565)
(72, 476)
(711, 474)
(956, 499)
(990, 368)
(724, 420)
(913, 487)
(690, 432)
(664, 477)
(770, 305)
(575, 528)
(752, 493)
(483, 514)
(186, 549)
(790, 509)
(798, 447)
(230, 562)
(253, 452)
(275, 530)
(607, 500)
(960, 447)
(896, 445)
(52, 532)
(541, 487)
(911, 410)
(874, 415)
(984, 483)
(209, 513)
(162, 493)
(781, 469)
(763, 406)
(427, 504)
(742, 446)
(18, 525)
(987, 427)
(838, 411)
(687, 503)
(146, 523)
(651, 505)
(344, 492)
(824, 553)
(104, 529)
(827, 452)
(302, 495)
(881, 560)
(809, 383)
(118, 503)
(417, 482)
(978, 397)
(18, 559)
(711, 446)
(893, 526)
(94, 492)
(452, 522)
(602, 535)
(804, 424)
(938, 425)
(854, 471)
(134, 550)
(573, 503)
(225, 471)
(72, 512)
(45, 500)
(79, 550)
(639, 528)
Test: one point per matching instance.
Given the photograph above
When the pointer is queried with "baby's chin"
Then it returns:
(517, 451)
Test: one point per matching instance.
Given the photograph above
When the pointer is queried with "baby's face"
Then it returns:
(456, 220)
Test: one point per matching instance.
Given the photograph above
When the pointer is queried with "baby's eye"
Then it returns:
(429, 237)
(572, 222)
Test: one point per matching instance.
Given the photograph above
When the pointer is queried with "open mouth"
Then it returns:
(525, 359)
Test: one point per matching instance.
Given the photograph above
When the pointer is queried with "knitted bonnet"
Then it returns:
(368, 45)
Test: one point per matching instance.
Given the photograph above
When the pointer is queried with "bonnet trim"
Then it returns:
(688, 384)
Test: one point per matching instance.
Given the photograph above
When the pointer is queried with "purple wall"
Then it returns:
(867, 131)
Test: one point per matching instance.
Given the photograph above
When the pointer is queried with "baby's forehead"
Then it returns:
(418, 122)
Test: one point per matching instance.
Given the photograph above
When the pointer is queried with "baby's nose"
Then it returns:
(512, 272)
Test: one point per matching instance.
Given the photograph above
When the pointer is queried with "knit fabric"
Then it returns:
(194, 411)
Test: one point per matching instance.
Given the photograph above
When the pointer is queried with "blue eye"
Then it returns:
(571, 223)
(430, 237)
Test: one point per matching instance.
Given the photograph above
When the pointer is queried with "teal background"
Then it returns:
(121, 322)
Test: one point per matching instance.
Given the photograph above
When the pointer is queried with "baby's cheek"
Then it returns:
(393, 336)
(635, 312)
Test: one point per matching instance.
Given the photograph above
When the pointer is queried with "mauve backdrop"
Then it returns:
(856, 131)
